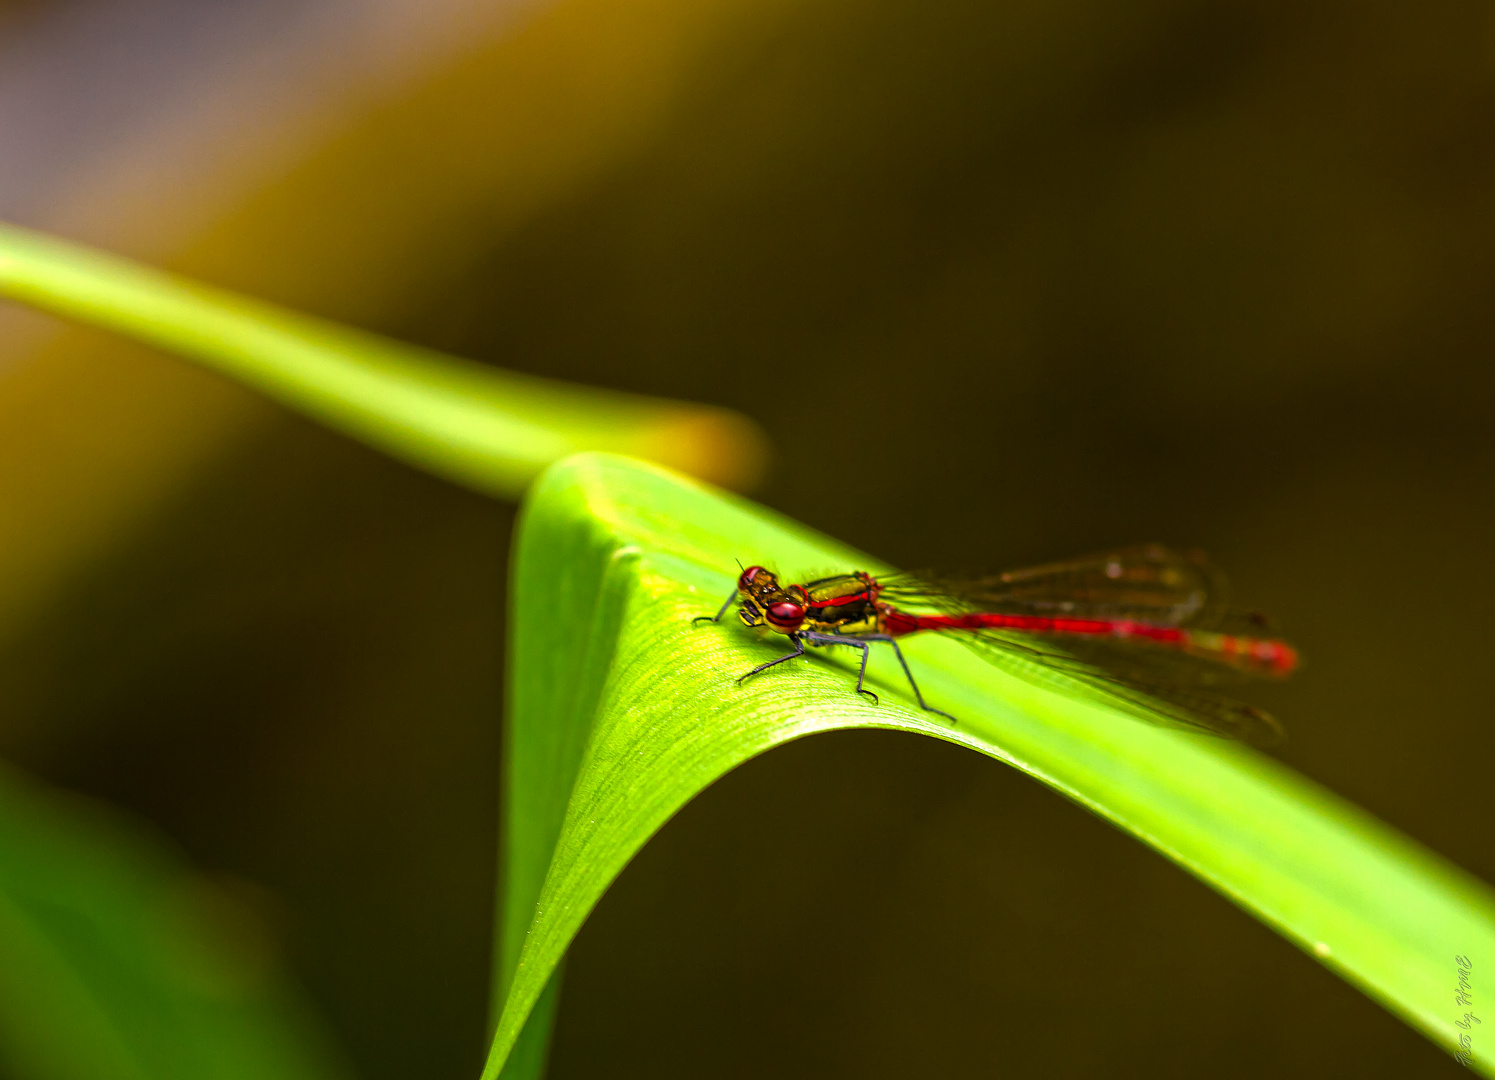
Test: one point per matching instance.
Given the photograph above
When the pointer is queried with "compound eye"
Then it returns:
(749, 576)
(785, 615)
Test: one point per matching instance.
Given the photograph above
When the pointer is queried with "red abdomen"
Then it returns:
(1266, 655)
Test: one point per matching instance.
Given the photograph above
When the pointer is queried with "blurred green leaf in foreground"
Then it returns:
(119, 963)
(622, 711)
(487, 429)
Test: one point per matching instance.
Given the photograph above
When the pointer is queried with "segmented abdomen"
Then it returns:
(1266, 655)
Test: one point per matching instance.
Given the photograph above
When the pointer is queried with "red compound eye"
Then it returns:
(749, 576)
(785, 615)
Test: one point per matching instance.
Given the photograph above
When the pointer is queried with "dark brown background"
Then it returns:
(1004, 282)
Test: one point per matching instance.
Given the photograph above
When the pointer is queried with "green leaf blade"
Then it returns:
(670, 719)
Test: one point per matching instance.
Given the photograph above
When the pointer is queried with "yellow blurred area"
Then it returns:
(339, 215)
(95, 433)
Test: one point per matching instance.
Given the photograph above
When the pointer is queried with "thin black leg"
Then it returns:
(860, 642)
(718, 616)
(799, 650)
(816, 638)
(910, 675)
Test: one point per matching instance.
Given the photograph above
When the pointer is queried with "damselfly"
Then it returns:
(1145, 626)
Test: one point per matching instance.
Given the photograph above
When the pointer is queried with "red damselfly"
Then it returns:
(1146, 626)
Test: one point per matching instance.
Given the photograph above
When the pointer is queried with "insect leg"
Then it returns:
(799, 650)
(718, 616)
(815, 638)
(913, 685)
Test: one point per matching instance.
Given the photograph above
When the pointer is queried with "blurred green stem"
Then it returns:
(477, 425)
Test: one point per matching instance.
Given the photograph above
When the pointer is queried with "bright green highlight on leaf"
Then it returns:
(621, 712)
(118, 963)
(477, 425)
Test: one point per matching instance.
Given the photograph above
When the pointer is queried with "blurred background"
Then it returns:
(1004, 281)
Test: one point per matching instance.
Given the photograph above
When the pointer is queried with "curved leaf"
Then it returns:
(489, 429)
(621, 712)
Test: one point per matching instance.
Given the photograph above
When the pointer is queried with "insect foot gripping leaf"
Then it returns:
(622, 711)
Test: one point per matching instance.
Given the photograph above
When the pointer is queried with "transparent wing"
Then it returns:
(1186, 690)
(1147, 582)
